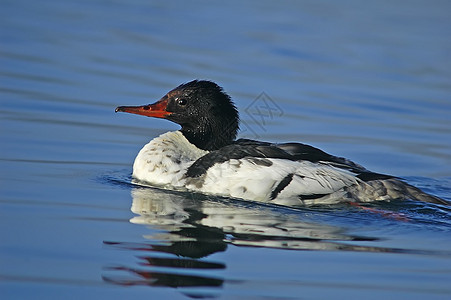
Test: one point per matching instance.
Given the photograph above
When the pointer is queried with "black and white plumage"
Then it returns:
(204, 156)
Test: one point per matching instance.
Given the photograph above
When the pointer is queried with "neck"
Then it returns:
(208, 140)
(217, 130)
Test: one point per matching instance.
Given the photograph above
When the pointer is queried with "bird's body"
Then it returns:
(205, 157)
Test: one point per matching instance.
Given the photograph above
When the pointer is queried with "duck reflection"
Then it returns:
(195, 226)
(185, 228)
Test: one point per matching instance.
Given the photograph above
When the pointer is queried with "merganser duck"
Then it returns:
(203, 156)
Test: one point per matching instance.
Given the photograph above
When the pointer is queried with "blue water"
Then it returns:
(367, 81)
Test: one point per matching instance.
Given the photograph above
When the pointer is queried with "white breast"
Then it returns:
(164, 160)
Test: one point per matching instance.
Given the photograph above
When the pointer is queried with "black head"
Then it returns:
(208, 117)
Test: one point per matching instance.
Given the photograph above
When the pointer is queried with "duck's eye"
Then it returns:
(181, 101)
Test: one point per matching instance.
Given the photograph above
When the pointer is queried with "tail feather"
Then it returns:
(389, 189)
(417, 194)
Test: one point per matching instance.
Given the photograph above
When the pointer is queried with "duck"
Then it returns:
(205, 156)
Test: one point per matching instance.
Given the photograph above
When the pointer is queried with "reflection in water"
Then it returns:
(186, 228)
